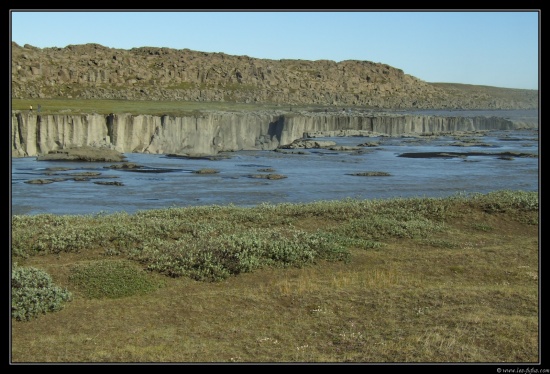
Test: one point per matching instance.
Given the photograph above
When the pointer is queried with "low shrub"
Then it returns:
(111, 279)
(34, 293)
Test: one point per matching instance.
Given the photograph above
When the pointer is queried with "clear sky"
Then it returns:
(498, 48)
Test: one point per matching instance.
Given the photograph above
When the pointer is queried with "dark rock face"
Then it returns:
(91, 71)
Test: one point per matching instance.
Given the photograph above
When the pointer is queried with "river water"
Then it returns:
(310, 175)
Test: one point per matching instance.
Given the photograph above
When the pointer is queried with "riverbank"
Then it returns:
(408, 280)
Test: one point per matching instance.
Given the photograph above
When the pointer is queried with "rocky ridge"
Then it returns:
(92, 71)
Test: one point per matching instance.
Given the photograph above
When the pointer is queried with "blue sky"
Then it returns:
(493, 48)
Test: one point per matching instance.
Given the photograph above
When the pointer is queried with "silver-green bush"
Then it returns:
(34, 293)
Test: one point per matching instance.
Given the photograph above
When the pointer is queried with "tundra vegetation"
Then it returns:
(138, 107)
(400, 280)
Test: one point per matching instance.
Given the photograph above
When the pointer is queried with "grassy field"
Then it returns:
(146, 107)
(414, 280)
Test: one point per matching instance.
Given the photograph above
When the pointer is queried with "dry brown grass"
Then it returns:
(467, 295)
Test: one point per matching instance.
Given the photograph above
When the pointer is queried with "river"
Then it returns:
(308, 175)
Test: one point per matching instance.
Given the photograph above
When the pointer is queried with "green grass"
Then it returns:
(145, 107)
(111, 279)
(401, 280)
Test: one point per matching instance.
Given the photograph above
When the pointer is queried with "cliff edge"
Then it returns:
(211, 132)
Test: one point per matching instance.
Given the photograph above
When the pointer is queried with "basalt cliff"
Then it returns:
(213, 132)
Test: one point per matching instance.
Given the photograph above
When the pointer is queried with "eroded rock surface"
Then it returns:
(84, 153)
(92, 71)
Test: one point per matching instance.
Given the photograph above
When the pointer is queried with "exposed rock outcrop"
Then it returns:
(213, 132)
(85, 153)
(92, 71)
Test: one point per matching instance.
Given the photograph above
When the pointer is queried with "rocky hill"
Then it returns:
(92, 71)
